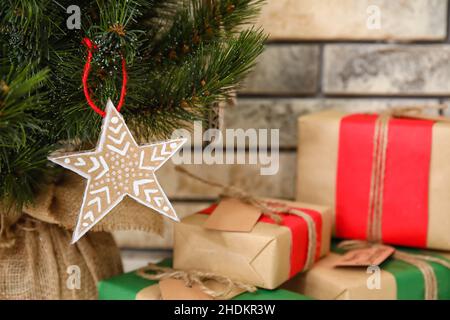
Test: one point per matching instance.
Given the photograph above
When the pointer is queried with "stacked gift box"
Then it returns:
(378, 183)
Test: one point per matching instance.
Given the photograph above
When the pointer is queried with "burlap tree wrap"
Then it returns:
(35, 249)
(60, 204)
(40, 262)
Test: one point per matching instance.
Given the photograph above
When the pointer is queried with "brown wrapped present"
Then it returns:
(396, 278)
(266, 256)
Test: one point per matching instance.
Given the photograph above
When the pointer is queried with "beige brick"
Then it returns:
(139, 239)
(285, 69)
(387, 69)
(376, 105)
(282, 113)
(348, 19)
(246, 176)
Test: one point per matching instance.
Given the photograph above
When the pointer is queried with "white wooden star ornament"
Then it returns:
(119, 167)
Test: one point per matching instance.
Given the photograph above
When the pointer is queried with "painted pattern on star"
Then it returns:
(119, 167)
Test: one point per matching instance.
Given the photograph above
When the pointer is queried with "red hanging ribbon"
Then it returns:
(87, 69)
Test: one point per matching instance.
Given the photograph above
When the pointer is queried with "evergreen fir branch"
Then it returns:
(237, 14)
(23, 143)
(112, 32)
(28, 27)
(182, 56)
(119, 12)
(19, 98)
(202, 21)
(23, 171)
(185, 93)
(27, 15)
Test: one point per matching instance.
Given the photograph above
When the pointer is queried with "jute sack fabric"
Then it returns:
(36, 257)
(40, 263)
(60, 203)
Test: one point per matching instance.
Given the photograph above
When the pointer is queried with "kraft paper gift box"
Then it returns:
(386, 184)
(398, 280)
(130, 286)
(266, 256)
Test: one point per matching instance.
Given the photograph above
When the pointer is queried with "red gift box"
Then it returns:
(388, 179)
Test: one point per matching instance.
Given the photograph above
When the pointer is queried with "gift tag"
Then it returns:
(173, 289)
(233, 215)
(372, 256)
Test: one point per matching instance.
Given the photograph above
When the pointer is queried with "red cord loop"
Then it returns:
(87, 69)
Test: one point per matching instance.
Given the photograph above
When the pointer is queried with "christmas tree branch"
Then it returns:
(181, 57)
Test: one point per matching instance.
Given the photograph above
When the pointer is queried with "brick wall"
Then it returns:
(322, 54)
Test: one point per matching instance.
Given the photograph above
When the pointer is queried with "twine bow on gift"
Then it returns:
(194, 277)
(273, 210)
(417, 260)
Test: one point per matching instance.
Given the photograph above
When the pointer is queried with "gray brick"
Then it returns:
(282, 113)
(285, 69)
(387, 69)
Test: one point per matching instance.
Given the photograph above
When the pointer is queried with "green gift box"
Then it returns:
(130, 286)
(398, 279)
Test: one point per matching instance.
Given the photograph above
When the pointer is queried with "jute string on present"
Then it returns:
(273, 210)
(417, 260)
(194, 277)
